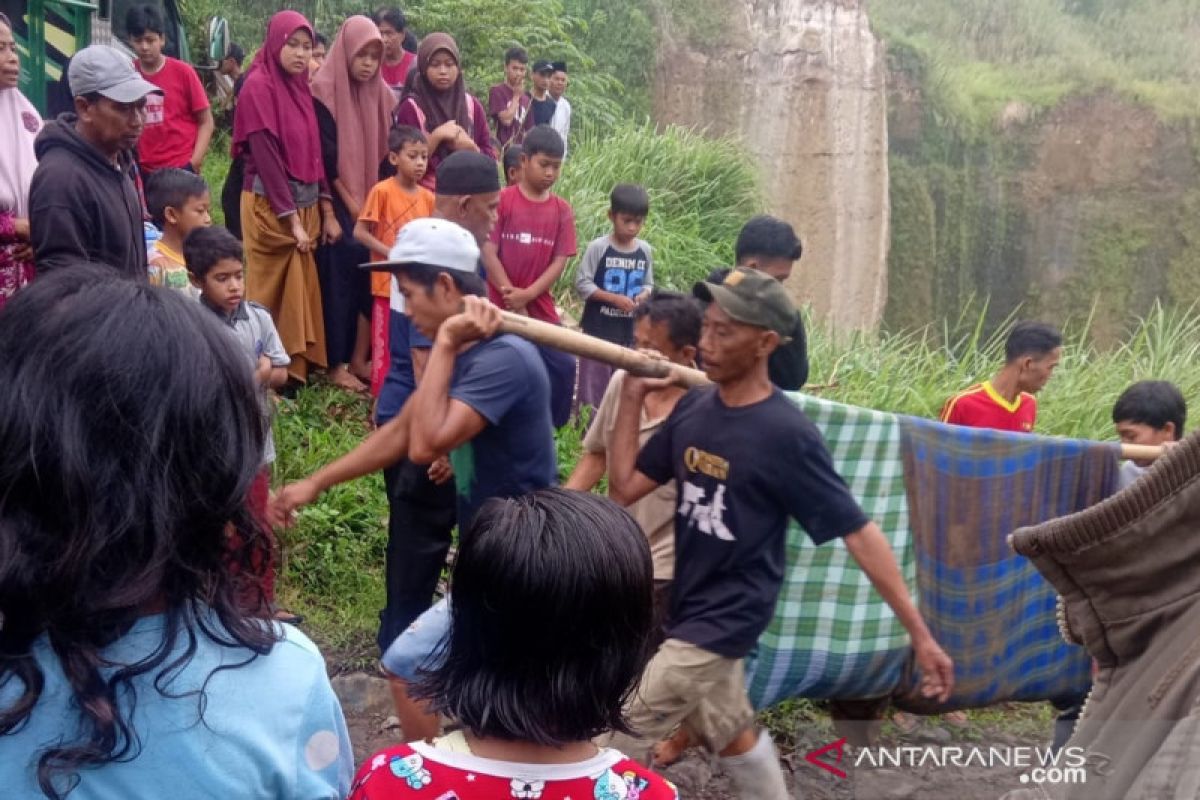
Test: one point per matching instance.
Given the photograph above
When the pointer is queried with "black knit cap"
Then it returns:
(467, 172)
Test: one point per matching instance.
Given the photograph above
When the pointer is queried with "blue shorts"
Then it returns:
(420, 646)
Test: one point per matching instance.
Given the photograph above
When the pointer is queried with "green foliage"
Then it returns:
(982, 54)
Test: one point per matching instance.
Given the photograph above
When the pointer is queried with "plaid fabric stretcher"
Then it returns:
(947, 498)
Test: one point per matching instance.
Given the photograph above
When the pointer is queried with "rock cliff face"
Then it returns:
(802, 83)
(1089, 210)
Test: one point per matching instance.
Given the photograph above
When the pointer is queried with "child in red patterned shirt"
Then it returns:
(549, 628)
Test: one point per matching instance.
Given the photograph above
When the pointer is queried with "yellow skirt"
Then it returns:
(284, 280)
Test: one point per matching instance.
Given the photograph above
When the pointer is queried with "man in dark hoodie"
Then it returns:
(84, 204)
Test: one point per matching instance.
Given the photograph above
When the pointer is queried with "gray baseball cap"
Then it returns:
(107, 71)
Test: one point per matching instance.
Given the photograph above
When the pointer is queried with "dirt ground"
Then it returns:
(699, 778)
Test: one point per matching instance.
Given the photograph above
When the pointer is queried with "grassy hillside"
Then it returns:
(981, 54)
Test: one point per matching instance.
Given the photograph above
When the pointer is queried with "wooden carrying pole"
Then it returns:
(580, 344)
(636, 363)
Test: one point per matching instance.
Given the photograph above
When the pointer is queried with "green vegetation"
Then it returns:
(981, 54)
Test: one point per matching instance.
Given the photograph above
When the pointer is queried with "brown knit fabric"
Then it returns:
(1128, 571)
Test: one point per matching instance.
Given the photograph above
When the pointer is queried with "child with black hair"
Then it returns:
(531, 698)
(508, 102)
(512, 164)
(534, 235)
(214, 262)
(391, 204)
(178, 202)
(667, 323)
(179, 122)
(129, 667)
(614, 276)
(397, 61)
(528, 249)
(1151, 413)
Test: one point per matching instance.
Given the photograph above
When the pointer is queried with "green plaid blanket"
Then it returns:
(833, 636)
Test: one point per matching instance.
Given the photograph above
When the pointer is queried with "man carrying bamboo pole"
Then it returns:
(744, 459)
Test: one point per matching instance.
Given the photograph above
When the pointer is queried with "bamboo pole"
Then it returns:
(636, 363)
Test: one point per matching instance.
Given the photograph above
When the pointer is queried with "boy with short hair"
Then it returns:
(1006, 402)
(614, 276)
(770, 245)
(541, 104)
(389, 206)
(214, 263)
(179, 123)
(397, 62)
(1150, 413)
(178, 202)
(534, 233)
(667, 323)
(508, 102)
(528, 250)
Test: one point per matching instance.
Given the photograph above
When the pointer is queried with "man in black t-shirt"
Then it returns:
(770, 245)
(744, 459)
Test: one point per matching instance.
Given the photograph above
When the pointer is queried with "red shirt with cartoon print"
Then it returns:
(421, 770)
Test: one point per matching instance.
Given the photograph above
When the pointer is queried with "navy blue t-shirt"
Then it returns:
(401, 382)
(740, 473)
(504, 380)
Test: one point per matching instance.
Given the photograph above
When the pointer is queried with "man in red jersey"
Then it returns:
(1006, 402)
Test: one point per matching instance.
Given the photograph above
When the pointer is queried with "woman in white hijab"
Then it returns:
(19, 126)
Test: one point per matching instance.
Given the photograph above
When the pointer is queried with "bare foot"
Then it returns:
(340, 377)
(907, 723)
(668, 751)
(956, 719)
(361, 370)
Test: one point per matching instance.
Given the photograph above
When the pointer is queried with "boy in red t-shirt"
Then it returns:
(534, 233)
(390, 205)
(179, 122)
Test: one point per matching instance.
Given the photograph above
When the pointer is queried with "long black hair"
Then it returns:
(550, 619)
(130, 433)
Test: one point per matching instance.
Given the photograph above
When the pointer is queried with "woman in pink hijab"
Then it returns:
(19, 126)
(354, 110)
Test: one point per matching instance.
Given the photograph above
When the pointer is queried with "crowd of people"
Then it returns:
(371, 239)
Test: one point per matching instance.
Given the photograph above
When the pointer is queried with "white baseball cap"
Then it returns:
(434, 242)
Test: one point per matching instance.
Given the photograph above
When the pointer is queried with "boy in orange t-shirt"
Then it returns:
(391, 205)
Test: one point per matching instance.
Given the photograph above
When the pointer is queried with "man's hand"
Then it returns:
(634, 388)
(197, 164)
(282, 511)
(937, 670)
(479, 319)
(440, 471)
(21, 229)
(624, 303)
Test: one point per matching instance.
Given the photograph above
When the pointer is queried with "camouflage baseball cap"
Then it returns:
(753, 298)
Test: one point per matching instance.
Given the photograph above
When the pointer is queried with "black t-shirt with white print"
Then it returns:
(740, 474)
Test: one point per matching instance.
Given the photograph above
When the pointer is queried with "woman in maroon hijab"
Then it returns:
(437, 102)
(286, 203)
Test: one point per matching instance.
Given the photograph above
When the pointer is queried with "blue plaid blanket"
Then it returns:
(947, 497)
